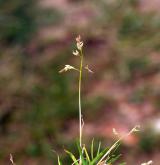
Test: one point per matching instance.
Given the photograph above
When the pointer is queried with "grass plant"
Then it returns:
(102, 156)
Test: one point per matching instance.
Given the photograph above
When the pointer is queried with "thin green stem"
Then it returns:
(80, 109)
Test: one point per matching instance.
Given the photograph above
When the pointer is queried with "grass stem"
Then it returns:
(80, 106)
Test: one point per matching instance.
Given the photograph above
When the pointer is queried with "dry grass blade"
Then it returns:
(11, 159)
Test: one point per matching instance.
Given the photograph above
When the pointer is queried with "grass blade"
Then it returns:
(86, 153)
(98, 157)
(59, 162)
(75, 161)
(99, 147)
(92, 149)
(81, 155)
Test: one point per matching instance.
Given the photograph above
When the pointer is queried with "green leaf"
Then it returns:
(99, 147)
(81, 155)
(87, 155)
(112, 160)
(96, 159)
(92, 149)
(75, 161)
(59, 162)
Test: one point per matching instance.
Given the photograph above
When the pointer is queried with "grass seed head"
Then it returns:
(66, 68)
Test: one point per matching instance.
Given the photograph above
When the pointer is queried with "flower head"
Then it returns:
(79, 42)
(76, 53)
(79, 45)
(78, 38)
(66, 68)
(88, 69)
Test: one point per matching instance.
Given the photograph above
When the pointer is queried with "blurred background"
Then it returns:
(39, 106)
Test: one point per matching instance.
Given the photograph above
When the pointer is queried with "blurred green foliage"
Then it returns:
(132, 24)
(135, 37)
(17, 20)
